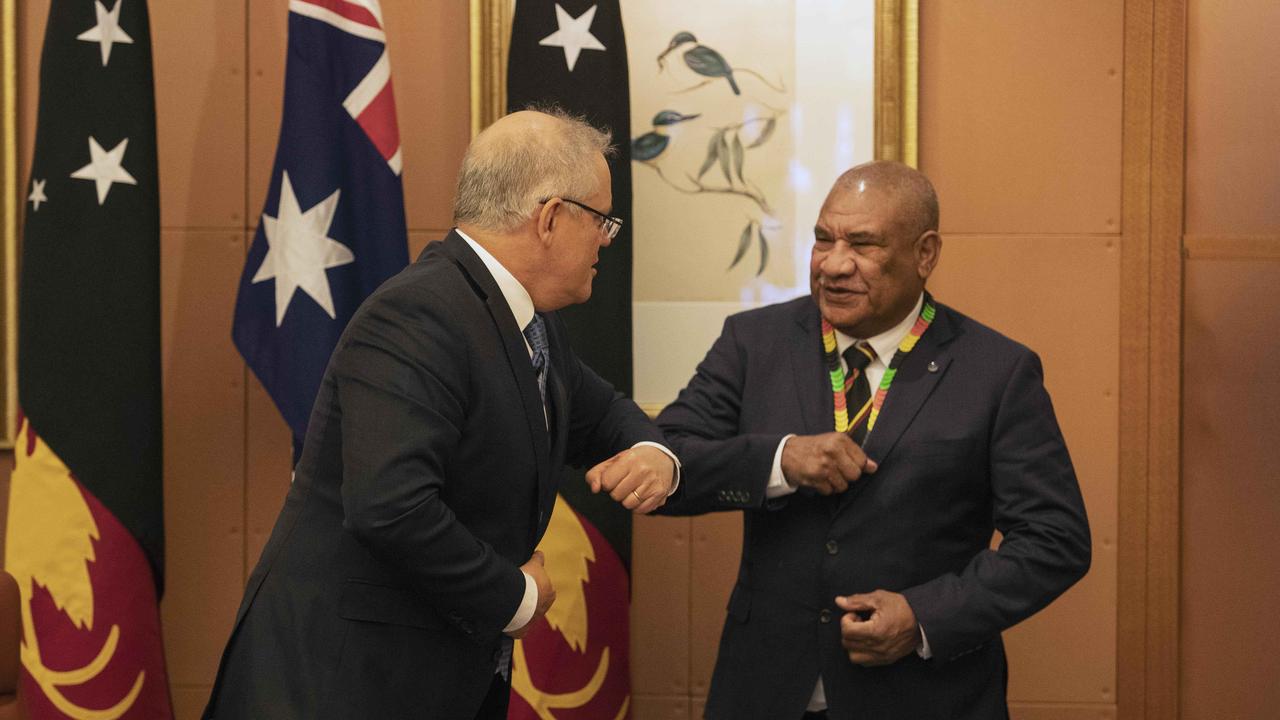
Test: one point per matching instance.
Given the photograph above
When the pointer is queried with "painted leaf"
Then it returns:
(744, 242)
(764, 251)
(713, 152)
(722, 152)
(766, 133)
(737, 158)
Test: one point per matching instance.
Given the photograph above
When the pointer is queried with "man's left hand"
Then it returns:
(640, 478)
(887, 634)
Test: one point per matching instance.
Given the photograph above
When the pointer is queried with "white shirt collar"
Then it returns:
(516, 296)
(886, 343)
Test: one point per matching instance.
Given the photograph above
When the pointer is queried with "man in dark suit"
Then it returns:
(874, 439)
(403, 561)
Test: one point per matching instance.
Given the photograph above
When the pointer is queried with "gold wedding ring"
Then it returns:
(636, 496)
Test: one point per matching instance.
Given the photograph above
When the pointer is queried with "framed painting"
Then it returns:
(742, 116)
(9, 210)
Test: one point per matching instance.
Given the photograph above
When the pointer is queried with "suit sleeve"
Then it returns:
(602, 421)
(722, 469)
(1037, 507)
(402, 376)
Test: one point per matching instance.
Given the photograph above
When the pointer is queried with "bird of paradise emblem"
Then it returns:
(574, 665)
(50, 543)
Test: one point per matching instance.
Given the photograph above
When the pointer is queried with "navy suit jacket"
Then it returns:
(967, 443)
(427, 478)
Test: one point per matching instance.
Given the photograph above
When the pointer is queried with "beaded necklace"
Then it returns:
(840, 384)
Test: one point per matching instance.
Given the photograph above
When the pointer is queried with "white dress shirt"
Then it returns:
(885, 345)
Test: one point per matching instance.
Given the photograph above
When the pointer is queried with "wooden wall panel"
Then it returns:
(716, 550)
(430, 60)
(1031, 151)
(1060, 297)
(1051, 711)
(204, 450)
(268, 22)
(1230, 500)
(1231, 397)
(1233, 104)
(661, 583)
(199, 59)
(648, 707)
(30, 21)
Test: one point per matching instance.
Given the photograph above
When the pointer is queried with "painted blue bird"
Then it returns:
(701, 59)
(651, 144)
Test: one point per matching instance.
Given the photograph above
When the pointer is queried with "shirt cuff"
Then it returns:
(778, 486)
(528, 604)
(675, 480)
(923, 651)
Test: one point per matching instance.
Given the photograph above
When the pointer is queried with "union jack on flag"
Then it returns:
(333, 226)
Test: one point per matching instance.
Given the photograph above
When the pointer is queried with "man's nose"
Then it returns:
(839, 261)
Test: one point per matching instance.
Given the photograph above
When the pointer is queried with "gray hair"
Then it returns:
(506, 173)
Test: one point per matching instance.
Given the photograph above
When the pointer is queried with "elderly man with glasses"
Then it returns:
(403, 562)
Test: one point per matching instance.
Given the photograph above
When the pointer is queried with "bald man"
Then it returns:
(873, 439)
(403, 562)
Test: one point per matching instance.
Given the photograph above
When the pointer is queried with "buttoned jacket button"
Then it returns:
(832, 547)
(824, 616)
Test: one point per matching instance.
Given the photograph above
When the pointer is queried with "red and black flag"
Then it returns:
(84, 533)
(575, 663)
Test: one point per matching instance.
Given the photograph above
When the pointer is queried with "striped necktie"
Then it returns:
(857, 391)
(536, 333)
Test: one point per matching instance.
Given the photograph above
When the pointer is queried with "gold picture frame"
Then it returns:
(896, 72)
(9, 223)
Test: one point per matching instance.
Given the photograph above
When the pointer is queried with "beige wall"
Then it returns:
(1231, 396)
(1021, 129)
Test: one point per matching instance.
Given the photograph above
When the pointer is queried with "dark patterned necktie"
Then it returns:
(858, 389)
(536, 334)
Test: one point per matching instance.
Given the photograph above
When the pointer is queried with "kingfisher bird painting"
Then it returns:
(728, 145)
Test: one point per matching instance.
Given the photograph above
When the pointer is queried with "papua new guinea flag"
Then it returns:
(575, 662)
(84, 534)
(333, 228)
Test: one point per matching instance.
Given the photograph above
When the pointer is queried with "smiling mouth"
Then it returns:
(842, 292)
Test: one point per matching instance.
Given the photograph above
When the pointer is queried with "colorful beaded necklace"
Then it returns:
(840, 384)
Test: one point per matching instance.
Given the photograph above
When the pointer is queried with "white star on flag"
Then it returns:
(299, 250)
(104, 168)
(574, 35)
(37, 195)
(107, 31)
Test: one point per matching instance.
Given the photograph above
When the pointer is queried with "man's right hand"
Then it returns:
(827, 462)
(546, 593)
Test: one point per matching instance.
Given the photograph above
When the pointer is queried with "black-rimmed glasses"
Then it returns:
(609, 225)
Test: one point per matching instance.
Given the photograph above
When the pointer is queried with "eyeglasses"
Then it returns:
(609, 225)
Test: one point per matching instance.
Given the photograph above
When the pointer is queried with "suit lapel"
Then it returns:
(920, 372)
(513, 343)
(812, 386)
(558, 414)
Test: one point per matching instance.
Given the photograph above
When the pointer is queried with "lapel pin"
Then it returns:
(933, 366)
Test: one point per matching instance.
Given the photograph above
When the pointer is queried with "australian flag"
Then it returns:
(333, 227)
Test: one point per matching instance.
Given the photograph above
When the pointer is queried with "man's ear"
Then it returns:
(928, 250)
(549, 218)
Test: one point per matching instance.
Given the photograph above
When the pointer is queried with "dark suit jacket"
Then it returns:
(427, 477)
(967, 443)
